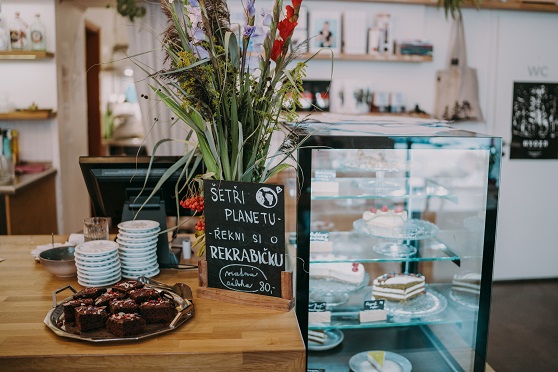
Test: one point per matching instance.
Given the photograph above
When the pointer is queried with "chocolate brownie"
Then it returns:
(70, 308)
(124, 324)
(123, 306)
(105, 298)
(158, 311)
(127, 285)
(143, 294)
(90, 317)
(92, 292)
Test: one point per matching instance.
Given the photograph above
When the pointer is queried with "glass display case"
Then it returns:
(396, 226)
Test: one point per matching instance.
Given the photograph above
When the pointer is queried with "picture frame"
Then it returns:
(300, 41)
(325, 31)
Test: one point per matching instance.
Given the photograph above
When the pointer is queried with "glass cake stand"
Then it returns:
(333, 292)
(428, 304)
(412, 229)
(469, 301)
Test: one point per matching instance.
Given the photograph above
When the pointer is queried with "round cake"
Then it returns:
(345, 272)
(385, 217)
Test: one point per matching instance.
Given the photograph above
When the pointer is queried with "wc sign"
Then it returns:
(538, 71)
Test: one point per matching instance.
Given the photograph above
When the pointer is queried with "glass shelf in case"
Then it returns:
(433, 308)
(351, 247)
(375, 188)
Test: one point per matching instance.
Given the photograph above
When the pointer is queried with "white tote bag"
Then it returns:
(457, 91)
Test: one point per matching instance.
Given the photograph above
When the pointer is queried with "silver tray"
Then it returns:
(184, 307)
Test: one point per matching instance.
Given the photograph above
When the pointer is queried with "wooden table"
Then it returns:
(220, 337)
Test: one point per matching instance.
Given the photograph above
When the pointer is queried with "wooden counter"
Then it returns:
(220, 337)
(28, 204)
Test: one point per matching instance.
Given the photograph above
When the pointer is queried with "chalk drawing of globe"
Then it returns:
(266, 197)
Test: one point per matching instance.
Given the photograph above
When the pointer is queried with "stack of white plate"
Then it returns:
(138, 248)
(97, 263)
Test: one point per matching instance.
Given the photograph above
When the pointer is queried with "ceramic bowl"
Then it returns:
(59, 261)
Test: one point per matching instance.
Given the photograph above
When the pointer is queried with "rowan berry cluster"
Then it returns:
(195, 203)
(200, 225)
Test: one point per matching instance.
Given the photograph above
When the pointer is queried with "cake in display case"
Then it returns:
(395, 244)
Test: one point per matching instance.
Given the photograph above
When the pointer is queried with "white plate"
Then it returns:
(136, 265)
(127, 239)
(148, 248)
(393, 363)
(107, 260)
(137, 257)
(98, 270)
(333, 338)
(96, 261)
(140, 226)
(108, 275)
(96, 248)
(94, 283)
(149, 268)
(137, 236)
(128, 275)
(136, 245)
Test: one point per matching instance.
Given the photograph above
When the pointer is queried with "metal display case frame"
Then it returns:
(329, 138)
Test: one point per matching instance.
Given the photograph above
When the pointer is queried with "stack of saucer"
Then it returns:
(138, 248)
(97, 263)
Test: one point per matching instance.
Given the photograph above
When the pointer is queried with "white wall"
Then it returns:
(58, 84)
(32, 81)
(501, 45)
(527, 243)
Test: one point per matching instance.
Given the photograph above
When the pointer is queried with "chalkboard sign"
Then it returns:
(245, 236)
(317, 307)
(374, 305)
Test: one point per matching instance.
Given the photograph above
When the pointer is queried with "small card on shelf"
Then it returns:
(317, 313)
(324, 183)
(373, 311)
(319, 242)
(319, 317)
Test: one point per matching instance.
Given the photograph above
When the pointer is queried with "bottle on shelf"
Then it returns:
(38, 34)
(18, 33)
(4, 33)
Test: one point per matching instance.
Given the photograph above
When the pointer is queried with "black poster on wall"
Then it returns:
(534, 121)
(245, 236)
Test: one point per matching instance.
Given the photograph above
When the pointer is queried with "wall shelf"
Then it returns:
(25, 55)
(28, 115)
(520, 5)
(325, 55)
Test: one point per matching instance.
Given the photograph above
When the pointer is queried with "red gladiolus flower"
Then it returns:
(286, 28)
(296, 3)
(277, 49)
(290, 12)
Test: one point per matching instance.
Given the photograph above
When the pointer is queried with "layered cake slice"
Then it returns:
(345, 272)
(70, 308)
(106, 298)
(317, 336)
(123, 306)
(158, 311)
(377, 359)
(468, 283)
(385, 217)
(398, 287)
(143, 294)
(127, 285)
(90, 317)
(92, 292)
(125, 324)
